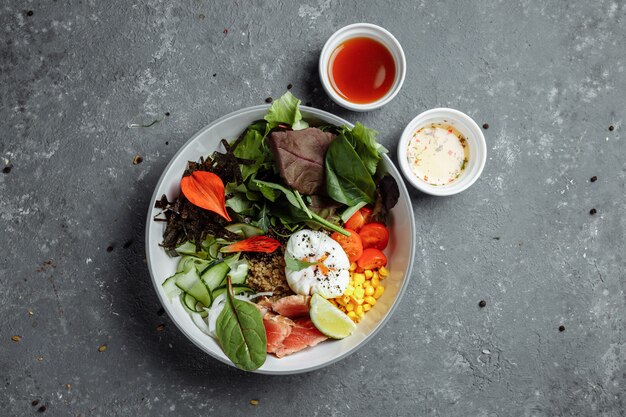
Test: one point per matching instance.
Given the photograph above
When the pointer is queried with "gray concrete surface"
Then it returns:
(548, 78)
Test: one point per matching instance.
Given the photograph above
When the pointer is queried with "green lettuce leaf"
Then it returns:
(264, 218)
(348, 181)
(286, 110)
(251, 148)
(296, 264)
(366, 146)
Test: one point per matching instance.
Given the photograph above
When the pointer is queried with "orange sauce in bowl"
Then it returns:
(361, 70)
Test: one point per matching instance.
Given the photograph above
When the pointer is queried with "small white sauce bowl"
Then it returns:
(475, 140)
(362, 30)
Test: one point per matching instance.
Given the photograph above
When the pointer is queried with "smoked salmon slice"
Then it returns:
(292, 306)
(277, 329)
(303, 334)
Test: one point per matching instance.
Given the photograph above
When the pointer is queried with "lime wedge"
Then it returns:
(329, 319)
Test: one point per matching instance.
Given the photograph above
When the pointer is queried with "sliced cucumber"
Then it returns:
(192, 305)
(191, 283)
(200, 310)
(238, 269)
(237, 289)
(214, 250)
(170, 288)
(211, 247)
(244, 230)
(239, 273)
(189, 302)
(188, 261)
(232, 260)
(215, 275)
(189, 248)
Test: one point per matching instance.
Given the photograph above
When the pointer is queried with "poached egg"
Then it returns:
(329, 274)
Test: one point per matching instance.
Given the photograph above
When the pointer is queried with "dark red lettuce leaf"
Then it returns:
(300, 157)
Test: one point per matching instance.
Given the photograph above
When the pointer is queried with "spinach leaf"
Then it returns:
(347, 180)
(286, 110)
(241, 333)
(366, 146)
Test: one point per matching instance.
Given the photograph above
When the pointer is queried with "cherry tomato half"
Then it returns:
(359, 219)
(374, 235)
(372, 259)
(351, 244)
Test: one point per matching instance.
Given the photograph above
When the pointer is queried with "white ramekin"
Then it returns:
(362, 30)
(475, 140)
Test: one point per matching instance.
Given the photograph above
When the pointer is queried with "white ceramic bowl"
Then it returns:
(399, 252)
(475, 140)
(362, 30)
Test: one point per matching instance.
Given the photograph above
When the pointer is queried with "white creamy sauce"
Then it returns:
(437, 153)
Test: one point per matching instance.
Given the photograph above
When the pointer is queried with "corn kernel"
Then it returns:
(367, 284)
(350, 307)
(359, 311)
(345, 299)
(353, 316)
(379, 292)
(383, 272)
(359, 292)
(352, 266)
(359, 279)
(349, 290)
(370, 300)
(375, 282)
(368, 273)
(356, 301)
(367, 307)
(370, 291)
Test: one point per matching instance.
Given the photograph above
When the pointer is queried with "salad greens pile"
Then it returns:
(350, 165)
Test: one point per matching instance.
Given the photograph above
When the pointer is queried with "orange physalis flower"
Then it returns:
(206, 190)
(253, 244)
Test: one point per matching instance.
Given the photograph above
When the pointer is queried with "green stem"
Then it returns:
(329, 225)
(302, 205)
